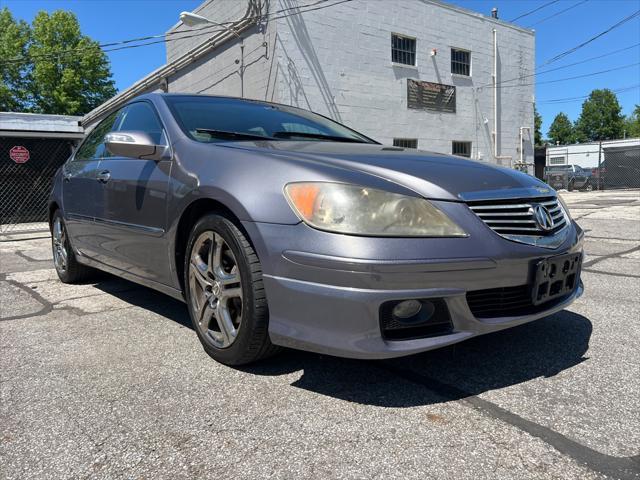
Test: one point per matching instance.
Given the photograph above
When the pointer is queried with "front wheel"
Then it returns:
(225, 294)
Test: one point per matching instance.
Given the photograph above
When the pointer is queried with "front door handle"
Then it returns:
(104, 176)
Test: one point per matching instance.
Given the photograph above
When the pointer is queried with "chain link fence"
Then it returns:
(619, 168)
(598, 167)
(27, 167)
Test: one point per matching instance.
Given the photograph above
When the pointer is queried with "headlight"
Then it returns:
(343, 208)
(564, 207)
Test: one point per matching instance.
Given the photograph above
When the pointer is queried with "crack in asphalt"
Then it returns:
(609, 255)
(623, 275)
(47, 306)
(622, 468)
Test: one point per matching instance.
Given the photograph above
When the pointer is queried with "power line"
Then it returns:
(582, 97)
(595, 37)
(591, 74)
(161, 38)
(534, 10)
(557, 14)
(613, 52)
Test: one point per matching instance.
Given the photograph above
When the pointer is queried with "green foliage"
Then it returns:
(561, 130)
(537, 120)
(601, 117)
(632, 123)
(66, 72)
(14, 37)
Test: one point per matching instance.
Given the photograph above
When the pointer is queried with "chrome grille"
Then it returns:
(516, 217)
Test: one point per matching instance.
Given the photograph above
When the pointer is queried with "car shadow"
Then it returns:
(539, 349)
(542, 348)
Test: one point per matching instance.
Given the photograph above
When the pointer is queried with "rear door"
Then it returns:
(132, 211)
(80, 189)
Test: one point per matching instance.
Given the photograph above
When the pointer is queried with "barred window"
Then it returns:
(403, 49)
(461, 148)
(556, 161)
(405, 142)
(461, 62)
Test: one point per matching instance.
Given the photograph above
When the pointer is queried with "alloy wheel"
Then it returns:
(59, 243)
(215, 289)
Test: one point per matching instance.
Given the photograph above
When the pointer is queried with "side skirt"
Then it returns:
(172, 292)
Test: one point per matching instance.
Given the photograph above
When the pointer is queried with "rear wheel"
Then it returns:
(64, 260)
(225, 294)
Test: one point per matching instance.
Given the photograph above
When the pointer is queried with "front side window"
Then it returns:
(93, 146)
(461, 62)
(405, 142)
(461, 148)
(216, 119)
(403, 49)
(141, 117)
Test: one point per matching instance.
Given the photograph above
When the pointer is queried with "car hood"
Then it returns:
(432, 175)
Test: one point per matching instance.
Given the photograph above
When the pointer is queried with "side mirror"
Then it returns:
(134, 144)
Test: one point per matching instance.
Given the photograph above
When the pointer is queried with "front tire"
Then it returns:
(64, 259)
(225, 293)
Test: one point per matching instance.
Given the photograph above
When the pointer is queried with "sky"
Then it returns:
(113, 20)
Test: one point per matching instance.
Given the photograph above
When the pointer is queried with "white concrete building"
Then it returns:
(587, 155)
(404, 72)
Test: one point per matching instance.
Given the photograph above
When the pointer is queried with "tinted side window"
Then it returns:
(93, 146)
(140, 116)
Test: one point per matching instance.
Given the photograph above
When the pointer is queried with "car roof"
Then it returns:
(220, 97)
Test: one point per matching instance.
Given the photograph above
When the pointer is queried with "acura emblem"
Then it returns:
(543, 217)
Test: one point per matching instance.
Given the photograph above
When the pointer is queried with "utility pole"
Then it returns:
(599, 163)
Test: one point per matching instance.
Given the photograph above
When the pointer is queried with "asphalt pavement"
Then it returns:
(108, 380)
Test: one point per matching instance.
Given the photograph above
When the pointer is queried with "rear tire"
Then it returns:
(67, 267)
(225, 294)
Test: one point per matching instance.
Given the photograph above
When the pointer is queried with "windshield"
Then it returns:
(219, 119)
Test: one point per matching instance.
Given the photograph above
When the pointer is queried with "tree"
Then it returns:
(561, 130)
(632, 123)
(537, 121)
(14, 37)
(51, 67)
(601, 117)
(63, 82)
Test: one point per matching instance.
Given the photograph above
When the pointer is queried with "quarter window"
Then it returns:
(462, 149)
(403, 49)
(461, 62)
(405, 142)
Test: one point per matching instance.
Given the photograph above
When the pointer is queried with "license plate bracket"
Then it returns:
(555, 277)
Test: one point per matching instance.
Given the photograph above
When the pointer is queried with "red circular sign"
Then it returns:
(19, 154)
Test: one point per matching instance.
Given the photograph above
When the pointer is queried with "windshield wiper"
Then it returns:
(232, 135)
(319, 136)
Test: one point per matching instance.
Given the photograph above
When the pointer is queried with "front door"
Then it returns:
(80, 189)
(132, 216)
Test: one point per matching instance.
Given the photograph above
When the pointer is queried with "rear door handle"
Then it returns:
(104, 176)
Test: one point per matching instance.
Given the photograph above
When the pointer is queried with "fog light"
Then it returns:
(406, 309)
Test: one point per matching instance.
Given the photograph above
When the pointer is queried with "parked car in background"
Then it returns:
(569, 177)
(281, 227)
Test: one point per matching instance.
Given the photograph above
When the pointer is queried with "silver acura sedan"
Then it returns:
(280, 227)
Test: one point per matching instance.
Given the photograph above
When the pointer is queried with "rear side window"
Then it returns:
(93, 146)
(140, 116)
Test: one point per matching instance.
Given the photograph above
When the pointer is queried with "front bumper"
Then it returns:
(329, 303)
